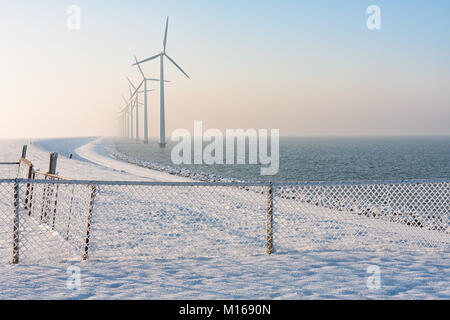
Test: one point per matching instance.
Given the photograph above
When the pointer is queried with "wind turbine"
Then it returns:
(129, 115)
(161, 55)
(124, 113)
(135, 105)
(121, 119)
(144, 81)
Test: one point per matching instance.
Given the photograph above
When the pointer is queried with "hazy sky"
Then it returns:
(305, 67)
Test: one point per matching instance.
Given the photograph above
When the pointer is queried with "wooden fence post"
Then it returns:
(15, 257)
(24, 151)
(53, 162)
(88, 229)
(269, 235)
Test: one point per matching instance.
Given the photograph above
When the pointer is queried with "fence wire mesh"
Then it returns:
(362, 216)
(24, 169)
(55, 220)
(9, 171)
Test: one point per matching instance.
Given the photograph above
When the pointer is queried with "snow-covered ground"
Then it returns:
(310, 275)
(90, 160)
(298, 275)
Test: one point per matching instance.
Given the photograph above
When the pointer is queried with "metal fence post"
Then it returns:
(49, 188)
(269, 234)
(30, 205)
(28, 194)
(55, 206)
(88, 229)
(44, 200)
(70, 212)
(15, 257)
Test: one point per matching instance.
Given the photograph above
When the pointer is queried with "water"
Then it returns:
(328, 159)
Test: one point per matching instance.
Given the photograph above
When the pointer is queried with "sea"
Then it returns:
(337, 159)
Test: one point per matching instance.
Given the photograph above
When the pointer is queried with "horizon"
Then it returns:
(155, 138)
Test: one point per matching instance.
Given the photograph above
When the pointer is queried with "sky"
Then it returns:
(308, 68)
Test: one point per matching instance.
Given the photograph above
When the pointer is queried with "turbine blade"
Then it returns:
(179, 68)
(153, 79)
(165, 34)
(131, 83)
(148, 59)
(136, 90)
(140, 70)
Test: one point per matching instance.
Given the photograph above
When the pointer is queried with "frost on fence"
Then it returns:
(410, 216)
(23, 170)
(48, 225)
(67, 220)
(135, 221)
(6, 222)
(60, 213)
(8, 171)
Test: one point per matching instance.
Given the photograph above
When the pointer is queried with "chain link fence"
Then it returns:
(50, 219)
(9, 170)
(336, 216)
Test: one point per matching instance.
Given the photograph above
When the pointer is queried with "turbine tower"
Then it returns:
(124, 112)
(161, 55)
(136, 103)
(129, 115)
(144, 80)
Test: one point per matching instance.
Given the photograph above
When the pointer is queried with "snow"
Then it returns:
(300, 274)
(310, 275)
(95, 163)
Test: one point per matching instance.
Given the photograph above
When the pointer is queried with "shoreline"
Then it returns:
(111, 149)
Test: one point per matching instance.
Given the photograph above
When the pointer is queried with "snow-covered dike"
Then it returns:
(90, 160)
(171, 269)
(94, 151)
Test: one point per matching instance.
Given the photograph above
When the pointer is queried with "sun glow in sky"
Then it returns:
(304, 67)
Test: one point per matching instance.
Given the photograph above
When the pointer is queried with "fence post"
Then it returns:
(70, 212)
(269, 235)
(28, 194)
(15, 257)
(53, 162)
(44, 200)
(24, 151)
(48, 189)
(88, 229)
(33, 176)
(56, 205)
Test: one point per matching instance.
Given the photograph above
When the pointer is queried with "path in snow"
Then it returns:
(95, 152)
(92, 150)
(90, 160)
